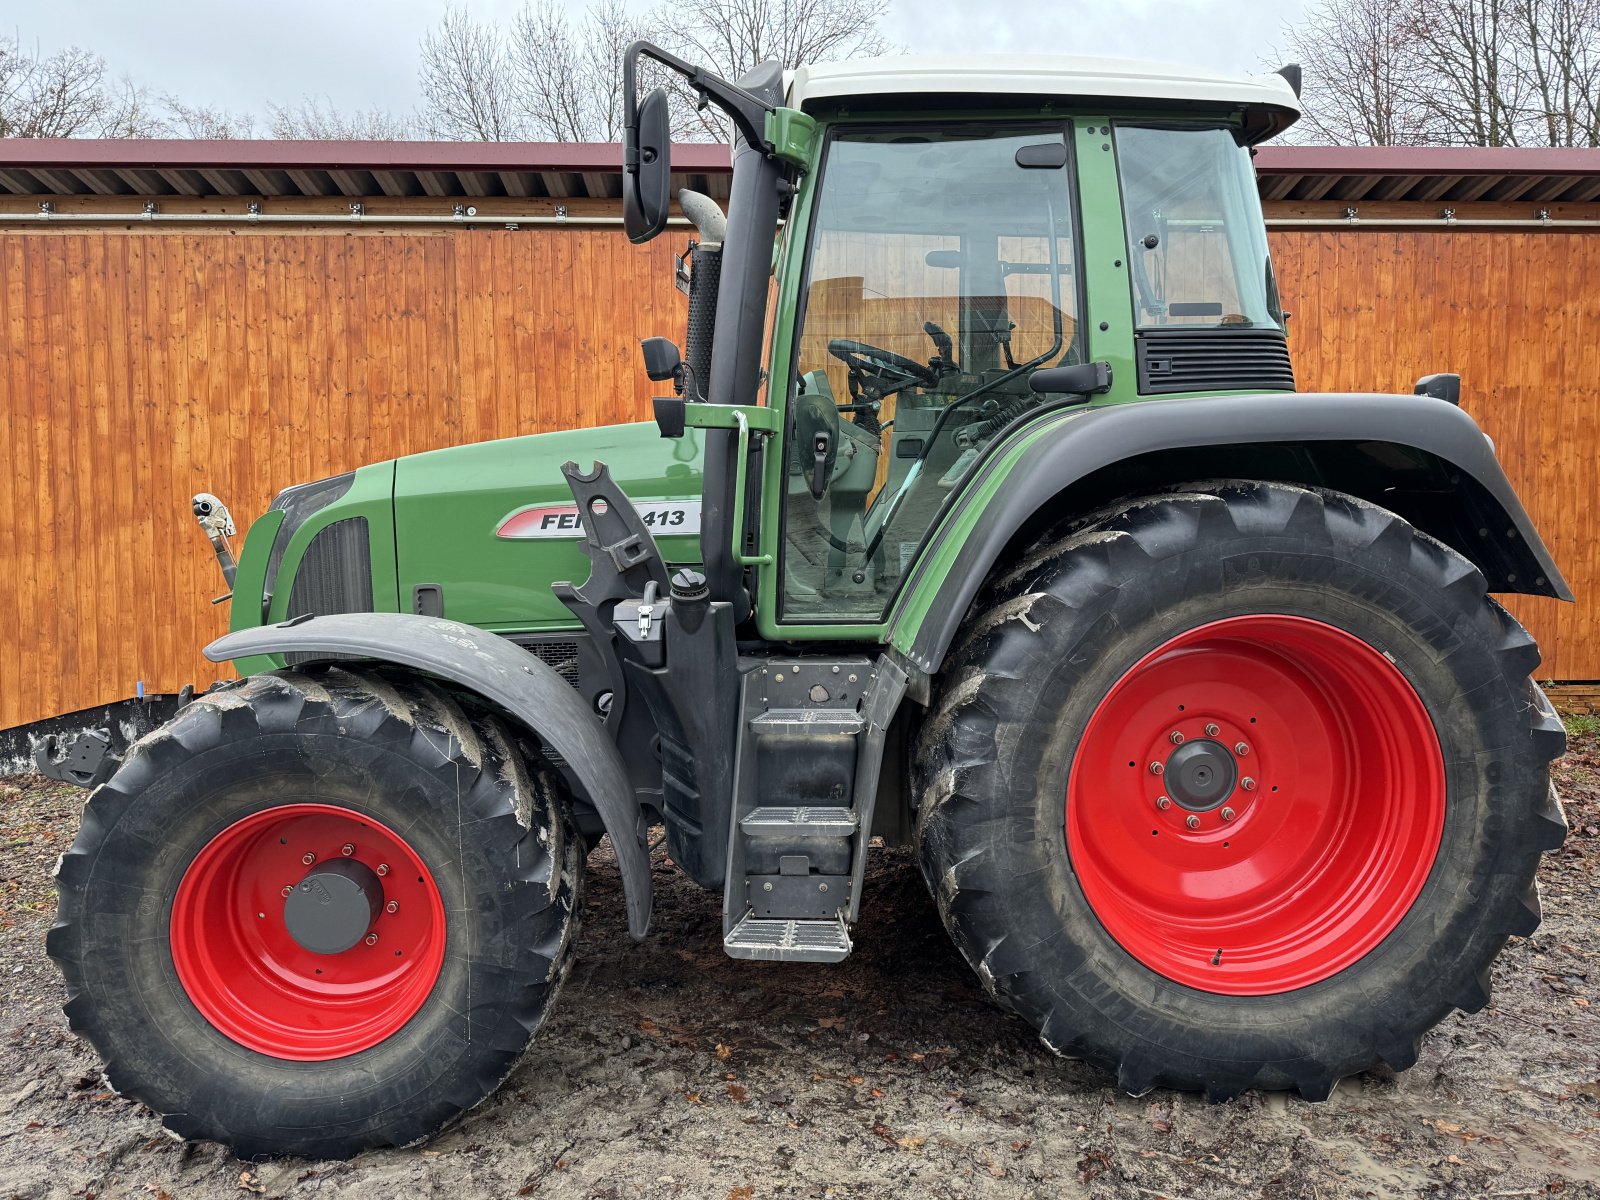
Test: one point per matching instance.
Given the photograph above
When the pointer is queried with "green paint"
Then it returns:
(448, 504)
(249, 583)
(792, 135)
(731, 416)
(1105, 266)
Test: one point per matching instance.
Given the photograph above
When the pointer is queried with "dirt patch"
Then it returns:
(669, 1070)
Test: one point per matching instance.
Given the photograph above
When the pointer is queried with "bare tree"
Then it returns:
(182, 120)
(70, 93)
(1561, 66)
(554, 77)
(1472, 93)
(315, 119)
(1358, 61)
(568, 76)
(465, 80)
(732, 36)
(1453, 72)
(736, 35)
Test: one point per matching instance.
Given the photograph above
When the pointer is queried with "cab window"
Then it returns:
(941, 274)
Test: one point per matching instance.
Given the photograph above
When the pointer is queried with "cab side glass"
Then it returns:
(940, 275)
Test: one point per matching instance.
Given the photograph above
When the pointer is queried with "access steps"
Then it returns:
(809, 760)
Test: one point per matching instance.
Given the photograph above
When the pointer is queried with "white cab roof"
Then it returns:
(1068, 77)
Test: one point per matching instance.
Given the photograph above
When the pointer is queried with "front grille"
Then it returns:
(1213, 360)
(334, 576)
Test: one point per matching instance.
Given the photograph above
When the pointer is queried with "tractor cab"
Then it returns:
(931, 295)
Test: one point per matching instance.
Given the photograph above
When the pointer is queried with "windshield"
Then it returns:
(940, 276)
(1196, 242)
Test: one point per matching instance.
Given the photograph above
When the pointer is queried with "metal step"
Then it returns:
(838, 722)
(824, 940)
(809, 822)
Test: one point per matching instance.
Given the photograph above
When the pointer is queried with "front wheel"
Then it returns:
(317, 913)
(1242, 786)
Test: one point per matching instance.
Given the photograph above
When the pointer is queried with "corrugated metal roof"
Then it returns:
(269, 169)
(565, 170)
(1437, 174)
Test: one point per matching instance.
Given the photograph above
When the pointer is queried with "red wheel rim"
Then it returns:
(1309, 856)
(248, 975)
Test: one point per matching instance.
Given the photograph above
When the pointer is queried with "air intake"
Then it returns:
(1213, 360)
(334, 576)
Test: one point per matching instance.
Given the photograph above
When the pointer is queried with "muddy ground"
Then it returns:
(668, 1070)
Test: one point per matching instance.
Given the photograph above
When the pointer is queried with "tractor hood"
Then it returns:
(493, 525)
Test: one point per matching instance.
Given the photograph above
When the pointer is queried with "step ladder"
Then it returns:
(810, 753)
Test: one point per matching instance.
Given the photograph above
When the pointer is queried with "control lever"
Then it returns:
(819, 464)
(942, 346)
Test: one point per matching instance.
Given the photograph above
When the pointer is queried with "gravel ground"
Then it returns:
(668, 1070)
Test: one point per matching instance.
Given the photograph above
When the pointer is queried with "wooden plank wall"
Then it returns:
(137, 368)
(1516, 315)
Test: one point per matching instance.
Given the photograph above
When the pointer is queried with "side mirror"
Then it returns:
(647, 169)
(1080, 379)
(662, 359)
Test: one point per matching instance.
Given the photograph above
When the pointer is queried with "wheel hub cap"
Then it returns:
(1201, 774)
(333, 907)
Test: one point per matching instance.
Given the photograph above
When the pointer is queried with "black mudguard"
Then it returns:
(1392, 442)
(506, 676)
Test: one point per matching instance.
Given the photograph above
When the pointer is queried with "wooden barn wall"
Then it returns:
(1515, 314)
(138, 368)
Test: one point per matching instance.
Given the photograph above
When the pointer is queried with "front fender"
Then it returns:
(505, 675)
(1076, 460)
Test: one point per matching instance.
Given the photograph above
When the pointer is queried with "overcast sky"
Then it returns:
(363, 54)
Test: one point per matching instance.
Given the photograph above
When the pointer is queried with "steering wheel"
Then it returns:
(886, 371)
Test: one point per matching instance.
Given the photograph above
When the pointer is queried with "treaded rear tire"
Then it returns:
(490, 827)
(1051, 637)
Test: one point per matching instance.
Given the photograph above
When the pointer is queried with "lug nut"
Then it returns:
(392, 907)
(1212, 730)
(1156, 768)
(308, 858)
(1163, 803)
(1227, 814)
(1248, 784)
(1175, 738)
(347, 849)
(287, 888)
(1192, 821)
(383, 868)
(1241, 749)
(371, 939)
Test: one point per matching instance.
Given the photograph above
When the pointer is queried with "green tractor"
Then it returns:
(979, 514)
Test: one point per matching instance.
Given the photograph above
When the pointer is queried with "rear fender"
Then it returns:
(1423, 458)
(506, 677)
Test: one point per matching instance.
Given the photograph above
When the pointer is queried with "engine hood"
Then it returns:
(493, 525)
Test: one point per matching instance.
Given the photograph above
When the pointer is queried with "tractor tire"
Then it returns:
(318, 912)
(1242, 786)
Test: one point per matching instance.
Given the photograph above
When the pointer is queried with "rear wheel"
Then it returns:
(1243, 786)
(318, 913)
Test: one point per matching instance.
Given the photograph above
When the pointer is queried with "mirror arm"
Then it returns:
(748, 111)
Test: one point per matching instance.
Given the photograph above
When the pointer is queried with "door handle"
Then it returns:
(819, 465)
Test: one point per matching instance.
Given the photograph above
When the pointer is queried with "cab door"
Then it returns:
(939, 274)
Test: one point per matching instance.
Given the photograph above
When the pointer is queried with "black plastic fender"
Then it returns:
(1486, 521)
(505, 675)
